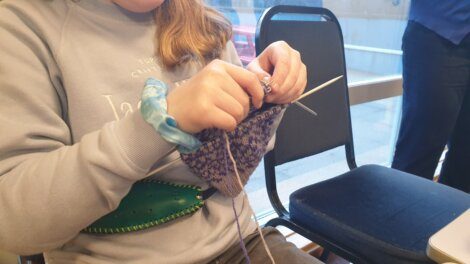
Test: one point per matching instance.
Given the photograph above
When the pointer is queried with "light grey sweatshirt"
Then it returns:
(72, 141)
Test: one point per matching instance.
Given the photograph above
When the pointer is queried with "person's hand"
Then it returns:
(288, 73)
(218, 96)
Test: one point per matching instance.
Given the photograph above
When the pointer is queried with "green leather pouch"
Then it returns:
(149, 203)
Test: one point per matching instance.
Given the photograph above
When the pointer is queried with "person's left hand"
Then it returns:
(288, 74)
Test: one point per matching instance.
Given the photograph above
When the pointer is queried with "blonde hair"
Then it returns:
(189, 30)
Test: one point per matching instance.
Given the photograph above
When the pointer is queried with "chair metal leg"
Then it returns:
(33, 259)
(317, 238)
(324, 255)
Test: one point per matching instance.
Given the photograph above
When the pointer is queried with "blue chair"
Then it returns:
(370, 214)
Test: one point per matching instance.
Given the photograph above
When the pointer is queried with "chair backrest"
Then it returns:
(316, 34)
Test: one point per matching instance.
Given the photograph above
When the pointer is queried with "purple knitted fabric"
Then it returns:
(248, 143)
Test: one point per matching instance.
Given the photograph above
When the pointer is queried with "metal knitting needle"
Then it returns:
(318, 88)
(266, 83)
(163, 167)
(173, 149)
(306, 108)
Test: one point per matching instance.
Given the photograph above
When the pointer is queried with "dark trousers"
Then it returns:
(283, 252)
(436, 107)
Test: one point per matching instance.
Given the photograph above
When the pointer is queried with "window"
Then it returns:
(372, 32)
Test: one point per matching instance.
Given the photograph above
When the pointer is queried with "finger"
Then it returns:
(256, 68)
(298, 88)
(248, 81)
(301, 83)
(232, 88)
(287, 88)
(221, 119)
(280, 59)
(227, 103)
(285, 98)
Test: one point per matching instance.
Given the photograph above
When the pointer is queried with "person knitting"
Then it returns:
(74, 141)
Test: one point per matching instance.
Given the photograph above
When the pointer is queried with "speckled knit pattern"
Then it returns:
(248, 143)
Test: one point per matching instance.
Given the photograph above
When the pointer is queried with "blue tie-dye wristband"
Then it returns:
(154, 112)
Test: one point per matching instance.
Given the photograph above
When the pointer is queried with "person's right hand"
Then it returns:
(218, 96)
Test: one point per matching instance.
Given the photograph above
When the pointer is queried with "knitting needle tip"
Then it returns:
(318, 88)
(305, 108)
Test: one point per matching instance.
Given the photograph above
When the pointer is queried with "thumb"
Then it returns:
(256, 68)
(263, 76)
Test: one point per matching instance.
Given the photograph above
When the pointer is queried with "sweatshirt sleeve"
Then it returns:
(230, 54)
(49, 188)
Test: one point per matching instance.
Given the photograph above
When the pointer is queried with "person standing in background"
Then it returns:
(436, 92)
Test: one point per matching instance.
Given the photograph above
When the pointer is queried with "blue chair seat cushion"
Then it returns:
(385, 215)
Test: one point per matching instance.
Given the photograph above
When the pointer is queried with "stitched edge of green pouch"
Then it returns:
(174, 201)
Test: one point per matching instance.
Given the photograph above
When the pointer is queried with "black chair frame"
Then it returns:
(283, 218)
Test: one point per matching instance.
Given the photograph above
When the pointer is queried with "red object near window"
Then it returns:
(244, 40)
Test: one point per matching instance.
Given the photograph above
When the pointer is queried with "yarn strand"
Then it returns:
(242, 245)
(240, 237)
(248, 202)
